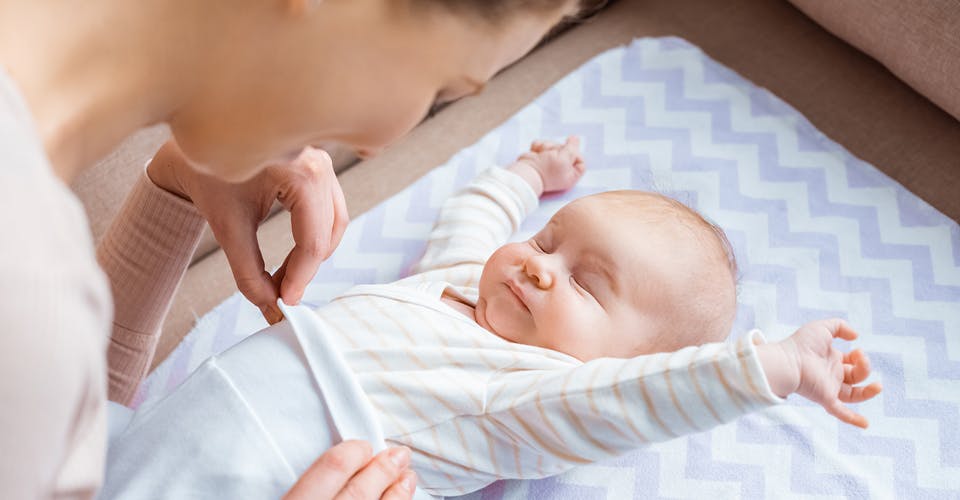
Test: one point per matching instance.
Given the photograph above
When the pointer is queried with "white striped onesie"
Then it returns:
(475, 408)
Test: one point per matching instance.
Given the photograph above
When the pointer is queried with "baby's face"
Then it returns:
(603, 280)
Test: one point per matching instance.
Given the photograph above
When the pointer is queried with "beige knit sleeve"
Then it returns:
(144, 253)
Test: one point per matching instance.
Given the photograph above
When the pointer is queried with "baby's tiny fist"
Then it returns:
(560, 165)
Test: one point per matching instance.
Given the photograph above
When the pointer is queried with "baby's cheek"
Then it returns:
(573, 329)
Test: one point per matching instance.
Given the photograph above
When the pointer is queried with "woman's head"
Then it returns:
(359, 72)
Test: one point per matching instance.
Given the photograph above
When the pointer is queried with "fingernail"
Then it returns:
(409, 481)
(400, 456)
(275, 315)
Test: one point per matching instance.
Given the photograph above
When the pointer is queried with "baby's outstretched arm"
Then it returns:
(477, 220)
(539, 422)
(808, 364)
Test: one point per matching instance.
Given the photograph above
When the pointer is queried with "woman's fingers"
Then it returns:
(242, 250)
(329, 474)
(280, 273)
(341, 218)
(378, 476)
(402, 489)
(346, 472)
(318, 217)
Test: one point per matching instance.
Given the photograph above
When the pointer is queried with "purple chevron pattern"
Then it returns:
(817, 233)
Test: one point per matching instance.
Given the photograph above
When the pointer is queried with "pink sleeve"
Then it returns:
(144, 253)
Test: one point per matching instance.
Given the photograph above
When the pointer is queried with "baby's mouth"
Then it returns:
(517, 293)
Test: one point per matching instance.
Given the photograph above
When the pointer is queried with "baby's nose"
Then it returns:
(536, 269)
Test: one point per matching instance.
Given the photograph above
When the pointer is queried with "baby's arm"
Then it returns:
(808, 364)
(476, 221)
(542, 422)
(545, 419)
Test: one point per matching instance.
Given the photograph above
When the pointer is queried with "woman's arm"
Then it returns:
(150, 243)
(144, 253)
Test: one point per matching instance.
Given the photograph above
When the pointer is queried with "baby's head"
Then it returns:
(617, 274)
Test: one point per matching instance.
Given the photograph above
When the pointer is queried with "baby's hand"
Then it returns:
(808, 364)
(557, 166)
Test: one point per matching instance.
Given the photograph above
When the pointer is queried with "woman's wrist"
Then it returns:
(164, 171)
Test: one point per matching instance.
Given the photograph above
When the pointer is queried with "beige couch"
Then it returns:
(848, 95)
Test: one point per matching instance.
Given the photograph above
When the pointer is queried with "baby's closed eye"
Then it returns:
(583, 288)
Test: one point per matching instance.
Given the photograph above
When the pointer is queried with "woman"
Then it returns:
(242, 84)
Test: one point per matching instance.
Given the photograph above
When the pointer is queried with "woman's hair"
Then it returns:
(495, 11)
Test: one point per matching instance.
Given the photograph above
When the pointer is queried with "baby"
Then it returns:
(595, 337)
(618, 274)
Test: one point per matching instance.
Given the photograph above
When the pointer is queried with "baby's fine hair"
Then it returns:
(670, 207)
(713, 316)
(718, 234)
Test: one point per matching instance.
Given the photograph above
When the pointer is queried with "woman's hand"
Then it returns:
(307, 187)
(808, 364)
(346, 472)
(550, 166)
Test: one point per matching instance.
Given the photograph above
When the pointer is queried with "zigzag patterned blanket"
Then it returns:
(818, 233)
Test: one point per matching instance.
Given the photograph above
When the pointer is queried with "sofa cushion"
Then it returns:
(919, 40)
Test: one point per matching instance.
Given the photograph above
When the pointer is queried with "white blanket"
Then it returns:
(226, 432)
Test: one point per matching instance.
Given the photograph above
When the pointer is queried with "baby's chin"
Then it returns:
(480, 316)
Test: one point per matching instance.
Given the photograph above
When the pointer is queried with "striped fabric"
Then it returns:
(476, 408)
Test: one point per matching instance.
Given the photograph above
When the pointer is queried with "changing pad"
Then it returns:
(818, 233)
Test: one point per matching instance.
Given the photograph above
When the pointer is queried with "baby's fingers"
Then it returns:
(578, 165)
(856, 367)
(541, 146)
(841, 329)
(572, 144)
(844, 414)
(852, 394)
